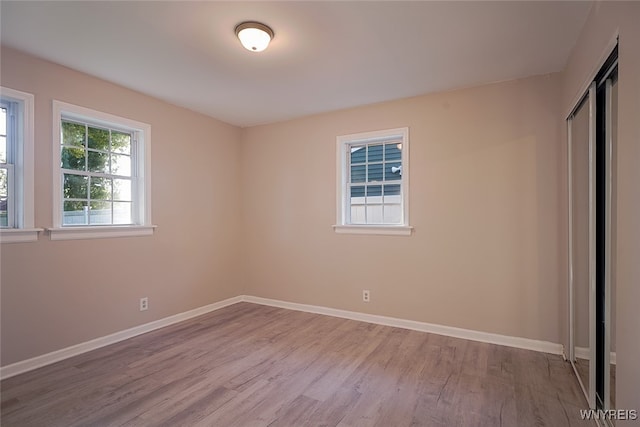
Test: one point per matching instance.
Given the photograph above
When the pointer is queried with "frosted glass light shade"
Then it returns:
(254, 36)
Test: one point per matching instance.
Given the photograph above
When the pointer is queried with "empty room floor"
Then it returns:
(254, 365)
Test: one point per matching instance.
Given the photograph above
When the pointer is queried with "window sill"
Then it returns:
(19, 235)
(100, 232)
(394, 230)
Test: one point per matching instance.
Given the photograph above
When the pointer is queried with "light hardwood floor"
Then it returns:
(252, 365)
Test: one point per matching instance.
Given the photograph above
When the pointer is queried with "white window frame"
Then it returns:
(344, 142)
(142, 176)
(21, 211)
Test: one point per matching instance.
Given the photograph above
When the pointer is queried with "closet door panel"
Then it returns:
(581, 187)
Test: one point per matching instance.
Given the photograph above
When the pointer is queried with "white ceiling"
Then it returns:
(325, 55)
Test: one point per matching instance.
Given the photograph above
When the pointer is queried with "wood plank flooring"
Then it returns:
(252, 365)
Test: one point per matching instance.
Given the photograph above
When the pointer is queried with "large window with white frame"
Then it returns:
(373, 182)
(101, 174)
(16, 167)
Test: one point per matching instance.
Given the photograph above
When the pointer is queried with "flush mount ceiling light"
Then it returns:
(254, 36)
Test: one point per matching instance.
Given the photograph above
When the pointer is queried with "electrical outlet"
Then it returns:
(366, 296)
(144, 304)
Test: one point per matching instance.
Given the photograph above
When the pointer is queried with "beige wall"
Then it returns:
(484, 201)
(605, 21)
(59, 293)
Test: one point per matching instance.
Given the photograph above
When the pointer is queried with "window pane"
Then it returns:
(4, 198)
(122, 213)
(392, 152)
(3, 149)
(4, 183)
(391, 190)
(100, 213)
(73, 158)
(357, 214)
(374, 214)
(4, 214)
(375, 153)
(98, 162)
(120, 165)
(374, 190)
(3, 121)
(357, 191)
(393, 171)
(120, 142)
(122, 189)
(375, 172)
(393, 214)
(357, 195)
(358, 154)
(75, 186)
(75, 213)
(100, 188)
(98, 139)
(358, 173)
(73, 134)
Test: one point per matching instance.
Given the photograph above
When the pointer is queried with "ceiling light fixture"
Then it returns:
(254, 36)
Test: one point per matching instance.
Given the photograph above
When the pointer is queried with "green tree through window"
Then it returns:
(96, 165)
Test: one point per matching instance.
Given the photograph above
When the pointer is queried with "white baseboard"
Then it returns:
(583, 353)
(65, 353)
(486, 337)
